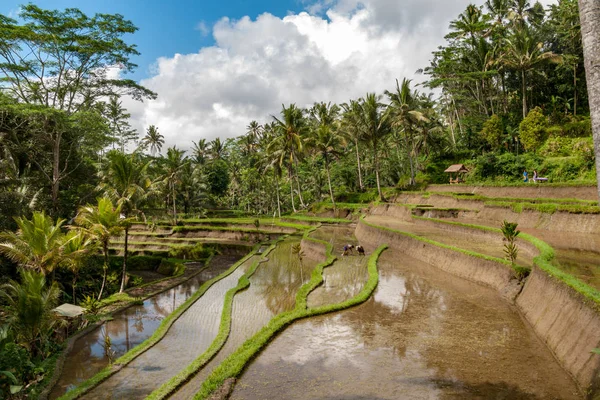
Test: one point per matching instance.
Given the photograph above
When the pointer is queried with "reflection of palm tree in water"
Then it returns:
(278, 279)
(396, 325)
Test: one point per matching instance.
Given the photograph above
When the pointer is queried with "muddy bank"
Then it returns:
(568, 323)
(460, 230)
(533, 190)
(313, 250)
(487, 272)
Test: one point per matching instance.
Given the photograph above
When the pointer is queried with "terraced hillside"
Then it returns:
(432, 316)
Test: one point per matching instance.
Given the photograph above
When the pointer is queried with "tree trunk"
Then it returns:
(524, 91)
(278, 201)
(291, 188)
(124, 273)
(376, 162)
(360, 183)
(55, 173)
(575, 90)
(174, 203)
(105, 268)
(298, 184)
(329, 181)
(74, 283)
(589, 13)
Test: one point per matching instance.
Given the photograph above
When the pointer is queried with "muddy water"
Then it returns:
(348, 274)
(480, 244)
(128, 329)
(272, 290)
(576, 253)
(187, 338)
(424, 334)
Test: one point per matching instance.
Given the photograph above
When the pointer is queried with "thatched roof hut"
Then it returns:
(458, 168)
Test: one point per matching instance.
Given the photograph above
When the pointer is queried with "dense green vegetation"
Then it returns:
(75, 178)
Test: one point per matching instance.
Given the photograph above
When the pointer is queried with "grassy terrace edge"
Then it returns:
(543, 260)
(233, 365)
(158, 334)
(183, 376)
(519, 270)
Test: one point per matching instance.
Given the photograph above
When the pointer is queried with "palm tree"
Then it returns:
(351, 128)
(289, 144)
(216, 149)
(255, 130)
(376, 124)
(326, 143)
(200, 151)
(405, 116)
(589, 14)
(523, 52)
(126, 182)
(153, 139)
(29, 309)
(37, 244)
(174, 163)
(101, 223)
(78, 247)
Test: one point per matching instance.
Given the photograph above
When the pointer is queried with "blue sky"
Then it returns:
(254, 56)
(166, 28)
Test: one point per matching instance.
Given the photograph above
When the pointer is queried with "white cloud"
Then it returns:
(257, 65)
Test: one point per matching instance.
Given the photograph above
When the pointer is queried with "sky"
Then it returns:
(217, 65)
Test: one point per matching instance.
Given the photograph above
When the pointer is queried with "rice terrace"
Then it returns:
(435, 238)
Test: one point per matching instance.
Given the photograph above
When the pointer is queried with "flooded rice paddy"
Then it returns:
(272, 290)
(128, 329)
(188, 337)
(424, 334)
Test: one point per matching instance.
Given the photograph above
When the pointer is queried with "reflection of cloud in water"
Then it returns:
(331, 341)
(391, 292)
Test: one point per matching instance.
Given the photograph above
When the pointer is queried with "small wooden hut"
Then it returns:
(456, 170)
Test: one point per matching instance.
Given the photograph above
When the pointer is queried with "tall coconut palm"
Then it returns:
(376, 124)
(37, 244)
(78, 246)
(173, 164)
(125, 180)
(200, 151)
(153, 139)
(101, 223)
(326, 142)
(216, 149)
(524, 51)
(405, 116)
(589, 13)
(290, 132)
(29, 306)
(350, 127)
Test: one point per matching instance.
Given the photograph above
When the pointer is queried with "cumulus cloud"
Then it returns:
(336, 51)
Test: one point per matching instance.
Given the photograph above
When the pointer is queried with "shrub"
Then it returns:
(492, 131)
(170, 268)
(584, 149)
(143, 263)
(578, 128)
(532, 130)
(556, 147)
(193, 252)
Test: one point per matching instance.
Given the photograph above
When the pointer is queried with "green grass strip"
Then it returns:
(233, 365)
(518, 269)
(160, 332)
(178, 380)
(318, 219)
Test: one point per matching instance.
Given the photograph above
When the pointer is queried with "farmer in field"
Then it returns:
(360, 250)
(349, 248)
(525, 178)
